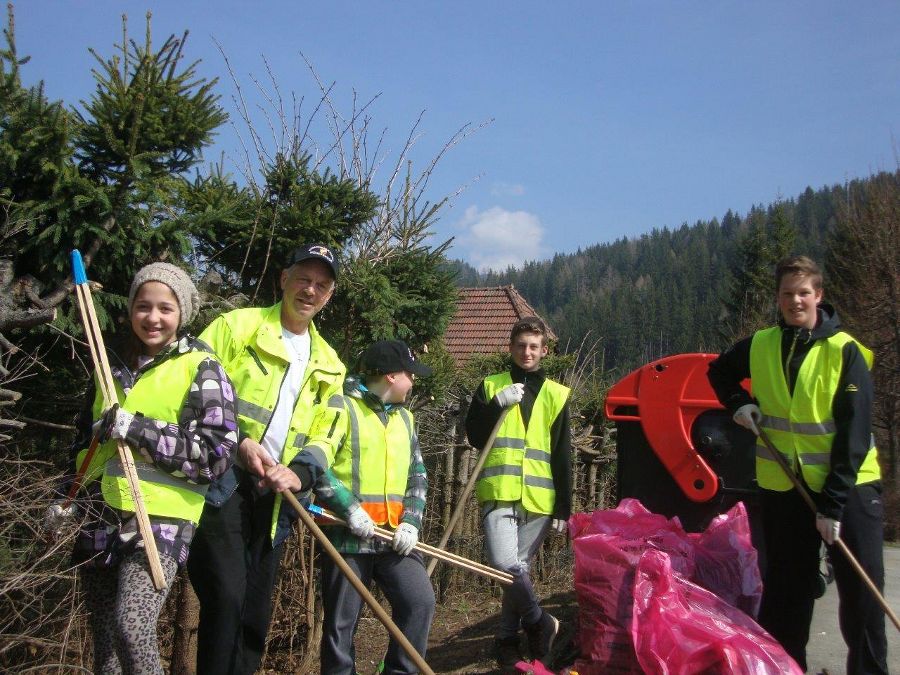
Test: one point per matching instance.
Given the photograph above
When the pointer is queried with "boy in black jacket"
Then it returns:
(813, 397)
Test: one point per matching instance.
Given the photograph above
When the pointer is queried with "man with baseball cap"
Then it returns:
(368, 469)
(284, 374)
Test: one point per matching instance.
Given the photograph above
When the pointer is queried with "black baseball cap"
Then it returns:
(391, 356)
(315, 252)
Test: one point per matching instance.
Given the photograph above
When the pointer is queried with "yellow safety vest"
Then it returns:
(518, 465)
(373, 459)
(801, 425)
(250, 346)
(159, 393)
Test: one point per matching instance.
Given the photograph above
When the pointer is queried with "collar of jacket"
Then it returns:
(520, 375)
(126, 377)
(269, 336)
(354, 388)
(827, 324)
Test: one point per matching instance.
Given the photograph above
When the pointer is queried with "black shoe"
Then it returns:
(507, 652)
(541, 635)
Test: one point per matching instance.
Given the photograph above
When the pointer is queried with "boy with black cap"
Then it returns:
(376, 477)
(283, 373)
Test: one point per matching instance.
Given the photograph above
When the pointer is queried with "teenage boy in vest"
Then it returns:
(812, 395)
(376, 477)
(525, 488)
(283, 372)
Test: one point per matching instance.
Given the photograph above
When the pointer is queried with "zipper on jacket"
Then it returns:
(257, 359)
(787, 362)
(787, 376)
(277, 398)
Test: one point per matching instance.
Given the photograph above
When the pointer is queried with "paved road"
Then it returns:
(826, 647)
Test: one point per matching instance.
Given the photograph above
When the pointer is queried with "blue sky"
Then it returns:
(608, 119)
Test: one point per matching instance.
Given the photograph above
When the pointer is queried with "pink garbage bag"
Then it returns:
(725, 561)
(608, 546)
(679, 628)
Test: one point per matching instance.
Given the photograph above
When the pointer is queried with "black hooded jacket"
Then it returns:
(851, 407)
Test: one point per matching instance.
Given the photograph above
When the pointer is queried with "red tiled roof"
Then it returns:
(483, 319)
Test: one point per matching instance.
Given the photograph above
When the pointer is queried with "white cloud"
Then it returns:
(507, 190)
(497, 238)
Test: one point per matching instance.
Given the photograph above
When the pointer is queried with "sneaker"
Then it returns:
(507, 652)
(541, 635)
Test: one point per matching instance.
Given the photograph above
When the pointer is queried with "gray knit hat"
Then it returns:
(176, 279)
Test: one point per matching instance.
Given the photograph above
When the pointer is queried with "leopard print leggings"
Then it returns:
(124, 608)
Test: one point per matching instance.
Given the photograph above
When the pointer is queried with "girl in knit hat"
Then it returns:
(176, 411)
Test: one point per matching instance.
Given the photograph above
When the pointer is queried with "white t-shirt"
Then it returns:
(298, 349)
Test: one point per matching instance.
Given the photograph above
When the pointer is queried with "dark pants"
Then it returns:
(232, 567)
(405, 584)
(792, 563)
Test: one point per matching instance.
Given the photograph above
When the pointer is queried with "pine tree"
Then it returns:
(105, 180)
(863, 276)
(751, 295)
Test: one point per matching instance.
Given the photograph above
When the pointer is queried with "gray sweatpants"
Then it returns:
(124, 608)
(405, 584)
(512, 536)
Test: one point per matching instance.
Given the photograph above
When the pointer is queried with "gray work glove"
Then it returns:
(360, 523)
(829, 528)
(510, 395)
(406, 537)
(559, 525)
(748, 416)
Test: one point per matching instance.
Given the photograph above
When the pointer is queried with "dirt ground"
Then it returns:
(461, 639)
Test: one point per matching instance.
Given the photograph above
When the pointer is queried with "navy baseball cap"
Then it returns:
(391, 356)
(316, 252)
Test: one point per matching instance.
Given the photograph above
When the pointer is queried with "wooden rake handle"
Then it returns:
(464, 498)
(360, 587)
(504, 578)
(854, 563)
(108, 391)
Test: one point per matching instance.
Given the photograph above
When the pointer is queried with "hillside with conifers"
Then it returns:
(679, 289)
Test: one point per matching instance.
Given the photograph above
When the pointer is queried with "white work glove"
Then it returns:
(405, 538)
(56, 517)
(360, 523)
(121, 424)
(510, 394)
(748, 416)
(559, 525)
(829, 528)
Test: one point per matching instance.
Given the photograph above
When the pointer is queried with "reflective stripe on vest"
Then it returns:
(374, 458)
(801, 425)
(158, 393)
(518, 466)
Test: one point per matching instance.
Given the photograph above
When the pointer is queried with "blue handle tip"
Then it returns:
(78, 273)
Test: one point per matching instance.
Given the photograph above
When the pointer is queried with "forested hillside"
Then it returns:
(675, 290)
